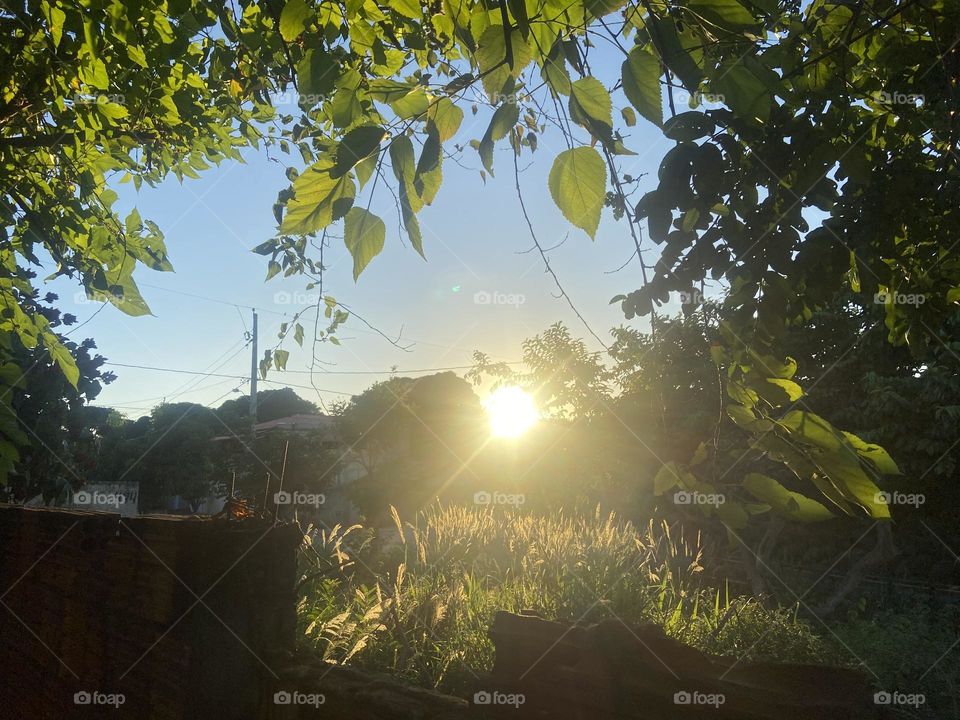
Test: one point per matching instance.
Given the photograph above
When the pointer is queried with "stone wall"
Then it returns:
(611, 671)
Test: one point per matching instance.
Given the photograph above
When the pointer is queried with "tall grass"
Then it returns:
(418, 600)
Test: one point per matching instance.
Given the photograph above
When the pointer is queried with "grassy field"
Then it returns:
(417, 601)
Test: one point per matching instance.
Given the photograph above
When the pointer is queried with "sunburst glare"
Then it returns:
(511, 410)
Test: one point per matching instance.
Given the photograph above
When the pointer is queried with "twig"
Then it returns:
(546, 261)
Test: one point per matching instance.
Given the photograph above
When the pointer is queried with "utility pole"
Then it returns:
(253, 374)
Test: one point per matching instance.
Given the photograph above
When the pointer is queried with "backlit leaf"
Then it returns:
(363, 234)
(592, 97)
(793, 505)
(578, 185)
(641, 84)
(293, 19)
(355, 146)
(319, 199)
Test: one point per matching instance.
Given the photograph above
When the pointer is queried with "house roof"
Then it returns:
(298, 423)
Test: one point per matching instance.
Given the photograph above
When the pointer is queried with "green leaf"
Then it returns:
(641, 84)
(813, 429)
(293, 19)
(728, 14)
(403, 162)
(316, 74)
(62, 356)
(503, 120)
(518, 8)
(744, 396)
(95, 73)
(388, 91)
(412, 105)
(345, 108)
(733, 515)
(319, 199)
(364, 169)
(355, 146)
(794, 392)
(849, 477)
(747, 419)
(793, 505)
(125, 295)
(407, 8)
(429, 173)
(874, 454)
(133, 223)
(578, 185)
(364, 234)
(833, 494)
(592, 97)
(55, 18)
(629, 116)
(172, 114)
(688, 126)
(744, 92)
(742, 416)
(265, 248)
(410, 223)
(112, 111)
(402, 158)
(776, 391)
(280, 358)
(554, 71)
(491, 57)
(446, 116)
(667, 478)
(774, 367)
(682, 52)
(137, 55)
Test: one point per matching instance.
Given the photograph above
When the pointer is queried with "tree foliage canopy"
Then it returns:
(816, 152)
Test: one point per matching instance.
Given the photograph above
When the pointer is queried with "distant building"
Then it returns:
(300, 423)
(179, 505)
(337, 507)
(117, 497)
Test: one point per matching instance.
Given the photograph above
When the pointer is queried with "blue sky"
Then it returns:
(474, 237)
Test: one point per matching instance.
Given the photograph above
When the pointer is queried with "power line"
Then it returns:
(221, 375)
(258, 308)
(138, 403)
(212, 367)
(211, 299)
(397, 371)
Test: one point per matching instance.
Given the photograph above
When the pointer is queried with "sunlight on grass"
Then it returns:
(511, 411)
(420, 605)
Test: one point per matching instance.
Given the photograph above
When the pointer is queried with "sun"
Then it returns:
(511, 411)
